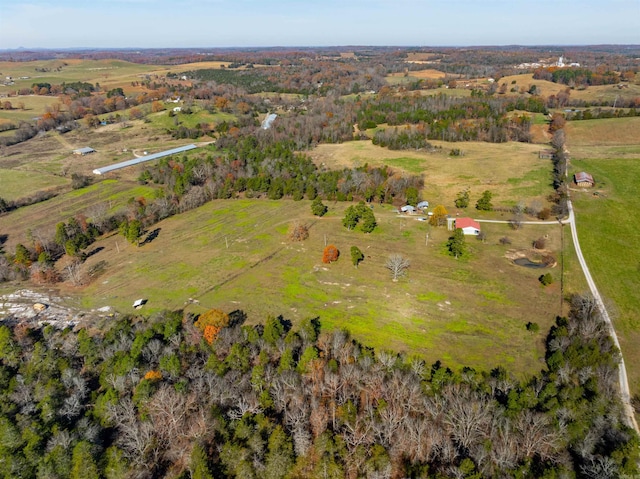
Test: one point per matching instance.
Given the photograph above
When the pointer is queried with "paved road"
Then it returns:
(625, 394)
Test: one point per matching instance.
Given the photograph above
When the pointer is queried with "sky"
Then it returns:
(259, 23)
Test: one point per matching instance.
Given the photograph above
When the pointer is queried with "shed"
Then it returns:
(423, 205)
(468, 226)
(408, 209)
(584, 180)
(177, 109)
(84, 151)
(266, 123)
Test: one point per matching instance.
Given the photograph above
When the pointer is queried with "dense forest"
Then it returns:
(211, 396)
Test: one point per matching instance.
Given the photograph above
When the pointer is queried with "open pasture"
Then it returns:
(43, 217)
(597, 93)
(604, 138)
(234, 254)
(511, 171)
(27, 107)
(104, 72)
(610, 242)
(14, 183)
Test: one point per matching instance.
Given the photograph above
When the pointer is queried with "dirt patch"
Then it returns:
(40, 308)
(541, 257)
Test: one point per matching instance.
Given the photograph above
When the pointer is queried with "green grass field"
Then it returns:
(234, 255)
(42, 217)
(27, 107)
(19, 184)
(511, 171)
(609, 240)
(164, 121)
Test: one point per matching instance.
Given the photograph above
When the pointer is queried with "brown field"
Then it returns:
(606, 131)
(607, 93)
(512, 171)
(53, 153)
(419, 57)
(429, 74)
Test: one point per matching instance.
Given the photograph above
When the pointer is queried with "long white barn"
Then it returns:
(142, 159)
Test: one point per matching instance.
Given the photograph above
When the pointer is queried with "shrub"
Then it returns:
(546, 279)
(330, 254)
(298, 232)
(533, 327)
(544, 214)
(505, 240)
(540, 243)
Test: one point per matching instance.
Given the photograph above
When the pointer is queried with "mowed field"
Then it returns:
(606, 138)
(234, 254)
(513, 172)
(610, 242)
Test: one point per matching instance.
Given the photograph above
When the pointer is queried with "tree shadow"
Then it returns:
(151, 236)
(237, 318)
(93, 251)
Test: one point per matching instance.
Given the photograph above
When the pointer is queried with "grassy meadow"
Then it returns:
(598, 93)
(43, 217)
(511, 171)
(234, 254)
(609, 240)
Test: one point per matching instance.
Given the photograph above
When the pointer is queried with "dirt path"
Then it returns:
(625, 394)
(63, 141)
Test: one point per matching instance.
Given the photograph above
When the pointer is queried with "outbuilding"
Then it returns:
(584, 180)
(408, 209)
(468, 226)
(423, 205)
(84, 151)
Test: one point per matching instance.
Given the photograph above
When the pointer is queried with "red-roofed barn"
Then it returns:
(468, 226)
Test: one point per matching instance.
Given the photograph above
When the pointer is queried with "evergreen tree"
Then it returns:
(462, 200)
(199, 467)
(356, 256)
(83, 465)
(484, 202)
(318, 208)
(456, 244)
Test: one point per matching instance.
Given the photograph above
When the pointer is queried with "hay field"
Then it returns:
(430, 74)
(233, 254)
(511, 171)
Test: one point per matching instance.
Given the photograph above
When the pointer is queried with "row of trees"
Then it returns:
(178, 396)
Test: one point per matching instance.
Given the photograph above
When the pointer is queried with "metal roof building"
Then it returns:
(266, 124)
(83, 151)
(142, 159)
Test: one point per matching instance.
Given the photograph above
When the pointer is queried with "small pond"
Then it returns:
(527, 263)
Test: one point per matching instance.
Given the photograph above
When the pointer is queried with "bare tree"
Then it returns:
(398, 265)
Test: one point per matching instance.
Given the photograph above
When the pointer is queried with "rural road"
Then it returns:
(625, 393)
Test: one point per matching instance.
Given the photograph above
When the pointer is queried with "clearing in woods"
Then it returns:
(234, 254)
(512, 171)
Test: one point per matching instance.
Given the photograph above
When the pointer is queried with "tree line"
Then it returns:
(179, 396)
